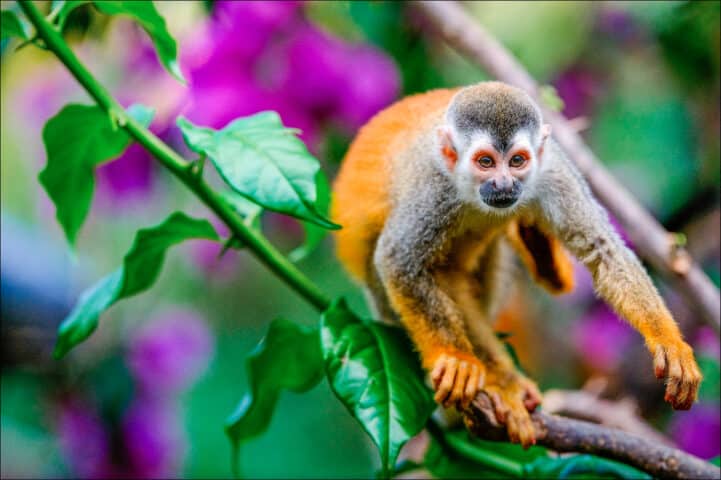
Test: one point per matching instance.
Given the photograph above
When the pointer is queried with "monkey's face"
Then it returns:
(494, 177)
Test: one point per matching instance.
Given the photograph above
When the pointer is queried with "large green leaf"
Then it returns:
(375, 373)
(264, 161)
(78, 139)
(288, 357)
(147, 16)
(141, 267)
(11, 26)
(314, 234)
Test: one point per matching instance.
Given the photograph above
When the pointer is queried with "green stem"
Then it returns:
(254, 241)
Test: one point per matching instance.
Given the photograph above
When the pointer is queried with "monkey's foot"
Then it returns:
(457, 377)
(676, 364)
(513, 397)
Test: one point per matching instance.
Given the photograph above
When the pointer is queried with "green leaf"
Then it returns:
(147, 16)
(64, 8)
(11, 26)
(251, 212)
(141, 267)
(288, 357)
(77, 139)
(580, 466)
(265, 162)
(716, 460)
(314, 234)
(373, 370)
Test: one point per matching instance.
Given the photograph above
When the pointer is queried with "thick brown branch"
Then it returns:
(652, 241)
(568, 435)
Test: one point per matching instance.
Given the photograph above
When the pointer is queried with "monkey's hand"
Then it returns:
(513, 397)
(674, 361)
(457, 377)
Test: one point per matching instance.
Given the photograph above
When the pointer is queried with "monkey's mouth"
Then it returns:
(500, 201)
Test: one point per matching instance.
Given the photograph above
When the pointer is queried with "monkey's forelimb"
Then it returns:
(567, 208)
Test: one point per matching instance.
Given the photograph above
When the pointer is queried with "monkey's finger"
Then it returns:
(692, 393)
(659, 362)
(512, 429)
(527, 432)
(471, 386)
(438, 370)
(674, 379)
(684, 391)
(459, 385)
(532, 398)
(499, 407)
(446, 384)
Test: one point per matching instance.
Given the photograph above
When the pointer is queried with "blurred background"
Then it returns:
(147, 395)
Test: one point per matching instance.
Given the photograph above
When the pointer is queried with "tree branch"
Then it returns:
(568, 435)
(652, 241)
(584, 405)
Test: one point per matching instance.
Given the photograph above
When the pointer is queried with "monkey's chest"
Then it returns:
(465, 251)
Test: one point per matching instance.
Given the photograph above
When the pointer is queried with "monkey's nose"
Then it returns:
(503, 185)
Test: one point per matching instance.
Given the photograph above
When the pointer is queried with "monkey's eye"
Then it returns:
(485, 161)
(517, 161)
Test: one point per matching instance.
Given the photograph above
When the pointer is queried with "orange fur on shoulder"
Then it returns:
(360, 191)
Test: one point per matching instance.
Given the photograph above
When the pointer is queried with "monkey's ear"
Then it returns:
(545, 133)
(448, 151)
(545, 130)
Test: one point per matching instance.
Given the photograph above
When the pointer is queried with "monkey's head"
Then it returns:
(491, 144)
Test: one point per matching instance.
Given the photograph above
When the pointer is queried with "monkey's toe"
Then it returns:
(513, 397)
(456, 379)
(676, 364)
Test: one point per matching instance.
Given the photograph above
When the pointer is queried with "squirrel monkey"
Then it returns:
(435, 193)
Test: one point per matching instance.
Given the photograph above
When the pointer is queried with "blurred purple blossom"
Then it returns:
(167, 354)
(707, 341)
(128, 178)
(369, 92)
(698, 431)
(578, 88)
(617, 24)
(84, 442)
(601, 338)
(153, 438)
(206, 254)
(266, 56)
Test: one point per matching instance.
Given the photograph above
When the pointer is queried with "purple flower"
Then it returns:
(167, 354)
(698, 431)
(206, 254)
(706, 341)
(316, 70)
(130, 177)
(601, 338)
(618, 24)
(372, 90)
(244, 28)
(578, 88)
(83, 439)
(154, 439)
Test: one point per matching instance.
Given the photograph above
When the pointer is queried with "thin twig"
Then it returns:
(568, 435)
(652, 241)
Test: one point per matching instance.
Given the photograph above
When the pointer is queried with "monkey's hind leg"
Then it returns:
(480, 295)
